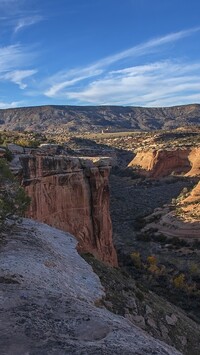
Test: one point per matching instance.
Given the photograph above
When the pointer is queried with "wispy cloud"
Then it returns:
(147, 47)
(27, 21)
(17, 15)
(156, 84)
(10, 104)
(13, 59)
(13, 56)
(17, 76)
(62, 80)
(70, 78)
(115, 79)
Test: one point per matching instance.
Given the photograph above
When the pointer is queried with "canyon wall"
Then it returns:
(159, 163)
(178, 220)
(72, 194)
(191, 205)
(194, 158)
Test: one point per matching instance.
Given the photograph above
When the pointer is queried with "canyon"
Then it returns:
(70, 186)
(182, 219)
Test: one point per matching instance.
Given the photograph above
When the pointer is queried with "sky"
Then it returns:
(99, 52)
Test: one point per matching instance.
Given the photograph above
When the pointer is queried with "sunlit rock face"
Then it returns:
(158, 163)
(72, 194)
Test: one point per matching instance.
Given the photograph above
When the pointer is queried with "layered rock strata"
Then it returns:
(191, 204)
(72, 194)
(181, 220)
(159, 163)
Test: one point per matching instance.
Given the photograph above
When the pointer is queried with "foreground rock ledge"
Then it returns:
(47, 301)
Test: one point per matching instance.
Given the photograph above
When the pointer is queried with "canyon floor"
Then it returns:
(156, 221)
(142, 208)
(130, 203)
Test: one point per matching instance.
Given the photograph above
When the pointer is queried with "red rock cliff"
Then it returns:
(72, 194)
(159, 163)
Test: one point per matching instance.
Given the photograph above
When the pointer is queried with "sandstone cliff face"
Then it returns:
(194, 158)
(191, 205)
(160, 163)
(73, 195)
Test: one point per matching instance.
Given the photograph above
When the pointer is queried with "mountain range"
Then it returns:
(59, 119)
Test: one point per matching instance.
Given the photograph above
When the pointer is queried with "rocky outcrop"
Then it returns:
(190, 206)
(181, 219)
(47, 301)
(194, 159)
(171, 225)
(194, 196)
(159, 163)
(72, 194)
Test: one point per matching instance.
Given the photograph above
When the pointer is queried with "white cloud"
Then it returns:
(10, 105)
(79, 75)
(27, 21)
(13, 59)
(143, 85)
(10, 57)
(146, 47)
(174, 100)
(13, 56)
(110, 83)
(17, 76)
(16, 15)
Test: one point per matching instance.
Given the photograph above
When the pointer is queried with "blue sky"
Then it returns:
(99, 52)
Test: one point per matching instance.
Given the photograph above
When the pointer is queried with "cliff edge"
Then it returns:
(71, 194)
(47, 301)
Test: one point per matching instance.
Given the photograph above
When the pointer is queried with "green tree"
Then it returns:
(13, 199)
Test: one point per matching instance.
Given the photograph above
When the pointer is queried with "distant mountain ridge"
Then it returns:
(57, 119)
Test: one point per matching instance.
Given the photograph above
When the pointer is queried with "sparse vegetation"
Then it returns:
(13, 200)
(96, 119)
(136, 259)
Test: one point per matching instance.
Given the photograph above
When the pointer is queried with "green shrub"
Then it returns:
(13, 199)
(136, 259)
